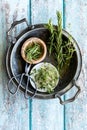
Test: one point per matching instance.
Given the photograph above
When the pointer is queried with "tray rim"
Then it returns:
(50, 95)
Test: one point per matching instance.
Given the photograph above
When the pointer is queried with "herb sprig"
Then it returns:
(63, 50)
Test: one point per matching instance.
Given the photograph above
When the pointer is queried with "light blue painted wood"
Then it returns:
(46, 114)
(43, 10)
(76, 17)
(16, 113)
(14, 110)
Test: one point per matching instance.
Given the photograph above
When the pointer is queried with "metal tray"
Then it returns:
(15, 64)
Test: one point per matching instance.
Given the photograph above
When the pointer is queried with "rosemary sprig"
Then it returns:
(51, 29)
(63, 50)
(59, 41)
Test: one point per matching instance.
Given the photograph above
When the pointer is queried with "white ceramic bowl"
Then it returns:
(39, 66)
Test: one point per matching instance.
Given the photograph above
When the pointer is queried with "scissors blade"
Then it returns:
(27, 68)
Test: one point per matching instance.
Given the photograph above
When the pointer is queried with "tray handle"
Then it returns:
(71, 99)
(15, 23)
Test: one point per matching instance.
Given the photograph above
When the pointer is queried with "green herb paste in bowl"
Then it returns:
(45, 76)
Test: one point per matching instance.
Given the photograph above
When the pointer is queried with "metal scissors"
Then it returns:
(22, 76)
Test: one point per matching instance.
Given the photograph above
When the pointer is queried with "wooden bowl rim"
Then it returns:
(30, 41)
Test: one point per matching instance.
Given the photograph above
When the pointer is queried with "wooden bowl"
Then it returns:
(28, 43)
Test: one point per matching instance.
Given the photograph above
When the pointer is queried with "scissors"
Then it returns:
(22, 76)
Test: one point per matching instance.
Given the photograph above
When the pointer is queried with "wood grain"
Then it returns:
(43, 10)
(75, 23)
(17, 113)
(14, 110)
(46, 114)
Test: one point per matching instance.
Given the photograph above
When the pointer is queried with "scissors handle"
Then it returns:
(9, 84)
(22, 76)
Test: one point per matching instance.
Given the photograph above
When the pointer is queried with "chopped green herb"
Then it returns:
(46, 77)
(33, 51)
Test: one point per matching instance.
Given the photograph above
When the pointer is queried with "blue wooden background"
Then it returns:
(17, 113)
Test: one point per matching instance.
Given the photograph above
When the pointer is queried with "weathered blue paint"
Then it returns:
(14, 110)
(46, 114)
(43, 10)
(17, 113)
(30, 114)
(76, 17)
(63, 18)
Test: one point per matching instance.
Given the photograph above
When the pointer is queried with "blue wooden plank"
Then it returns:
(75, 23)
(43, 10)
(14, 110)
(46, 114)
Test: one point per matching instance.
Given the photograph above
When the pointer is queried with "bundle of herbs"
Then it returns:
(62, 49)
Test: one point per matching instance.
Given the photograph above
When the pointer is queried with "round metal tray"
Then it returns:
(15, 64)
